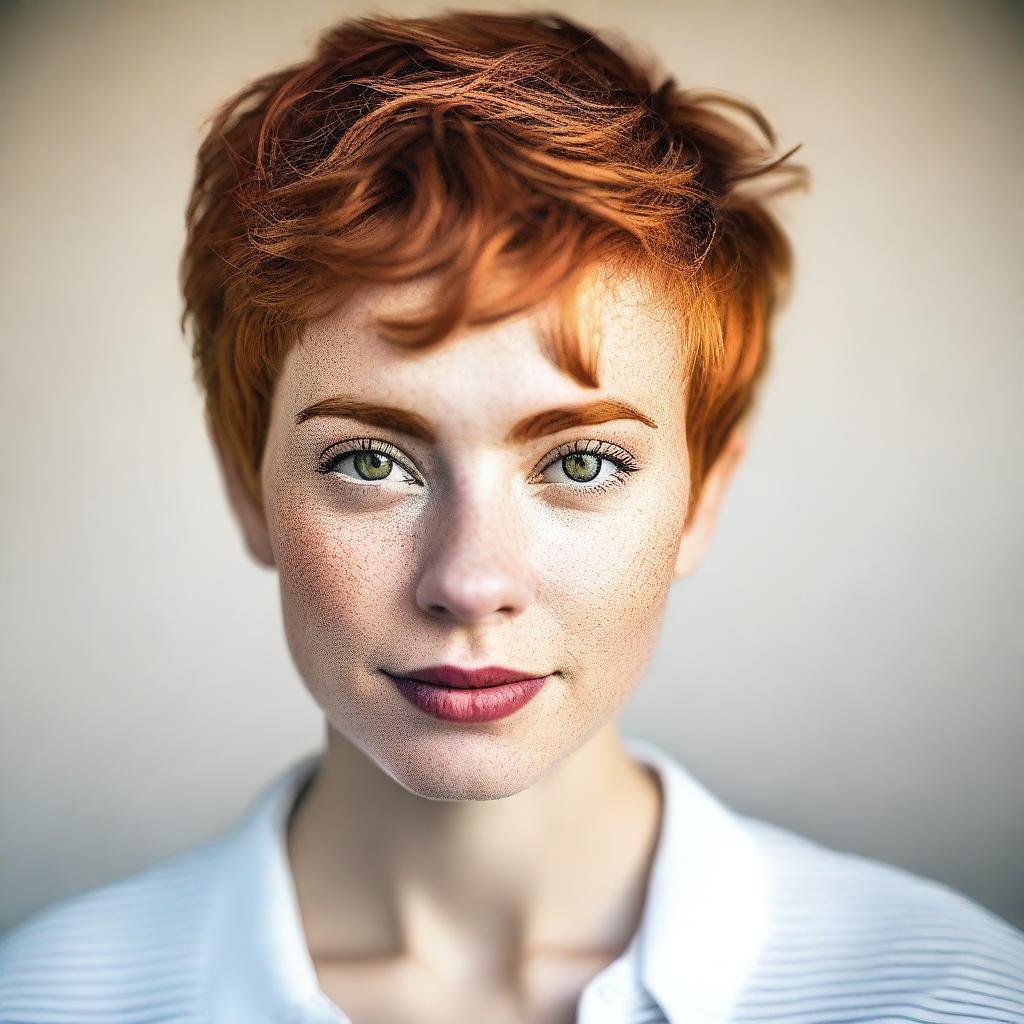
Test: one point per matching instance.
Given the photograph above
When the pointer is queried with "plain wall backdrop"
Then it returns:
(847, 660)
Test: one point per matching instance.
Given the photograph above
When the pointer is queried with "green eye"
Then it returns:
(372, 465)
(581, 467)
(588, 466)
(368, 460)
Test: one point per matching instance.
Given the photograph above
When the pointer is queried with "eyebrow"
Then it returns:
(527, 429)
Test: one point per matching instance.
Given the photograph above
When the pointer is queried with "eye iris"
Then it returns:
(372, 465)
(581, 466)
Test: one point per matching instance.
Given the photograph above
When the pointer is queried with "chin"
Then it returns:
(463, 768)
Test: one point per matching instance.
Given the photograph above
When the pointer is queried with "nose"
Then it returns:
(475, 569)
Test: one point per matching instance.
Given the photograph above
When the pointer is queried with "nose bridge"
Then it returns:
(476, 562)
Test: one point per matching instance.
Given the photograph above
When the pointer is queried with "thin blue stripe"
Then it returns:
(926, 974)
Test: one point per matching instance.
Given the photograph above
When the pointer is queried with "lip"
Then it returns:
(465, 678)
(468, 695)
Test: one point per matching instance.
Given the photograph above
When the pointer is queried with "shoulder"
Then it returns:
(852, 938)
(133, 946)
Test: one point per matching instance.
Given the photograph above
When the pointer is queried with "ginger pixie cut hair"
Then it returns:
(515, 155)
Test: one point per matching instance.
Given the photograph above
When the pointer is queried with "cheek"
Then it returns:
(606, 576)
(340, 579)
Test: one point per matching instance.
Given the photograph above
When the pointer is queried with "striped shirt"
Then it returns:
(743, 922)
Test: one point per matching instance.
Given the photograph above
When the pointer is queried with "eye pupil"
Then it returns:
(372, 465)
(581, 466)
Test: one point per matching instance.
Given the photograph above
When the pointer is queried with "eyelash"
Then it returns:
(332, 457)
(621, 459)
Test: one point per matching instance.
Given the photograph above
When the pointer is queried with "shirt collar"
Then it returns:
(705, 917)
(260, 968)
(702, 925)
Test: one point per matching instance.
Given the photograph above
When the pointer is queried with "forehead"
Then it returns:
(495, 372)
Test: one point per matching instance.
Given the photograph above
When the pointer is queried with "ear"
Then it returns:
(248, 513)
(701, 522)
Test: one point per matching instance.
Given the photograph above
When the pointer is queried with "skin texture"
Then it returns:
(470, 871)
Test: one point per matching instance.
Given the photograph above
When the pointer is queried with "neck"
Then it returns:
(561, 867)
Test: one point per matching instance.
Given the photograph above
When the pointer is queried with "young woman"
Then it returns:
(479, 307)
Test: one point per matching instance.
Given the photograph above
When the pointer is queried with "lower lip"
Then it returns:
(484, 704)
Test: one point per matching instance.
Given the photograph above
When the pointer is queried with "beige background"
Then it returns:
(847, 661)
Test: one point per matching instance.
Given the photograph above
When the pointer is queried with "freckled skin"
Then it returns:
(455, 871)
(479, 566)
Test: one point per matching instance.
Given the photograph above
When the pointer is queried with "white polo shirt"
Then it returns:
(743, 922)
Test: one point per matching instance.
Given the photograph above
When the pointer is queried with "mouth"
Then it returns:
(466, 678)
(455, 694)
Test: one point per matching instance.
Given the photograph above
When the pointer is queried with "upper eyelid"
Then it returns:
(354, 445)
(616, 454)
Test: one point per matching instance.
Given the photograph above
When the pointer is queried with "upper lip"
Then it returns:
(465, 678)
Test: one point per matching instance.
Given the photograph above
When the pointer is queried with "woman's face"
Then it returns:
(480, 544)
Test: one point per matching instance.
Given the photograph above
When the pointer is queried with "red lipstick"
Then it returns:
(467, 695)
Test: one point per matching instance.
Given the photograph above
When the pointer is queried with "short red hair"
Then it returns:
(510, 153)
